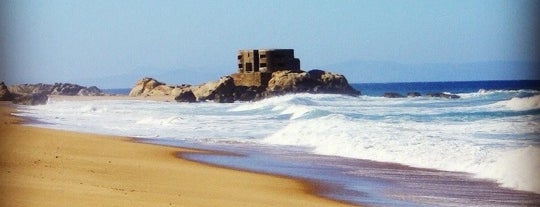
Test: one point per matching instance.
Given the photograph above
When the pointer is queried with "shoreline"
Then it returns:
(359, 182)
(49, 167)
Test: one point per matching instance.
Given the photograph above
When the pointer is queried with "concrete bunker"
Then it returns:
(255, 66)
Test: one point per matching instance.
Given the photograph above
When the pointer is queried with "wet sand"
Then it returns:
(44, 167)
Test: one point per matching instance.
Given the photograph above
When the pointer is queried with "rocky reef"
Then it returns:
(416, 94)
(224, 89)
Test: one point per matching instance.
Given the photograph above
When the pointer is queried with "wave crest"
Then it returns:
(521, 104)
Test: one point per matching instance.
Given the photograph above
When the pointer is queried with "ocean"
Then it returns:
(482, 149)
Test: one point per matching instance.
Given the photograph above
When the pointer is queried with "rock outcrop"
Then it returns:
(413, 94)
(25, 89)
(31, 99)
(221, 91)
(5, 95)
(146, 86)
(186, 96)
(392, 95)
(443, 95)
(328, 82)
(34, 94)
(64, 89)
(314, 81)
(416, 94)
(68, 89)
(152, 87)
(224, 90)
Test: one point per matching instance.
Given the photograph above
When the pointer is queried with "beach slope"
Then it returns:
(44, 167)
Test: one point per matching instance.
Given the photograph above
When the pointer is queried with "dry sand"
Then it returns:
(44, 167)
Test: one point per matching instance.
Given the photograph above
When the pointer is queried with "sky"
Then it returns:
(113, 43)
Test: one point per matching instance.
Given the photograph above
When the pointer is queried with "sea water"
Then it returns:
(377, 151)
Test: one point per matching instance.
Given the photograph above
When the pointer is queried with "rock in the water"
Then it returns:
(413, 94)
(248, 93)
(152, 87)
(176, 90)
(31, 99)
(144, 86)
(5, 95)
(443, 95)
(392, 95)
(314, 81)
(289, 81)
(186, 96)
(224, 90)
(328, 82)
(221, 91)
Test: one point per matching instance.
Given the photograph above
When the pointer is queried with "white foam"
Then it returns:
(449, 146)
(483, 93)
(455, 135)
(521, 104)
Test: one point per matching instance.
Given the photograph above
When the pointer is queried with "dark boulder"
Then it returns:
(5, 95)
(248, 93)
(186, 96)
(220, 91)
(392, 95)
(413, 94)
(443, 95)
(328, 82)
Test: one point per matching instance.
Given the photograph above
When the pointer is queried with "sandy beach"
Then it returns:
(44, 167)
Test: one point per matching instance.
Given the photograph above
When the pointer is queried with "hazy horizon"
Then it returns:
(112, 44)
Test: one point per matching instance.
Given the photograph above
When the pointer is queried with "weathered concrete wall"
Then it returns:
(256, 66)
(267, 61)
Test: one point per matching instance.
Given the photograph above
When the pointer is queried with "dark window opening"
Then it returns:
(240, 66)
(263, 56)
(249, 67)
(239, 57)
(263, 65)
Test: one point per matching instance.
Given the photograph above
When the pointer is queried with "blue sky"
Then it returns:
(113, 43)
